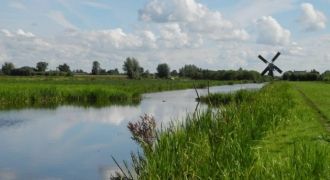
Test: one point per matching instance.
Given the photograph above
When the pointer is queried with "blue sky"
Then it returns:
(214, 34)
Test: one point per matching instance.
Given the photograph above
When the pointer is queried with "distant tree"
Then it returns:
(23, 71)
(78, 71)
(96, 68)
(113, 71)
(315, 72)
(7, 67)
(174, 73)
(64, 68)
(163, 70)
(190, 71)
(103, 72)
(146, 74)
(41, 66)
(132, 68)
(326, 75)
(302, 76)
(141, 70)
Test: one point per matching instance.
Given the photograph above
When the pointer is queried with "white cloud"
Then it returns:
(311, 18)
(192, 17)
(77, 48)
(293, 50)
(60, 19)
(20, 32)
(149, 38)
(269, 31)
(7, 33)
(110, 38)
(172, 10)
(111, 47)
(172, 36)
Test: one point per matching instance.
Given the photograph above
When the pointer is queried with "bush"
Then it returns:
(23, 71)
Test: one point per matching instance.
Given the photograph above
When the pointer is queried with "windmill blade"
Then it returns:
(277, 69)
(264, 72)
(263, 59)
(276, 56)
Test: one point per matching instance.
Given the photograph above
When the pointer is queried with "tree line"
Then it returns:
(312, 75)
(134, 70)
(9, 68)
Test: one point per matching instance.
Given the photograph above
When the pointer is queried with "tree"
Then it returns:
(113, 71)
(163, 70)
(96, 68)
(41, 66)
(79, 71)
(23, 71)
(190, 71)
(174, 73)
(326, 76)
(132, 68)
(146, 74)
(64, 68)
(7, 67)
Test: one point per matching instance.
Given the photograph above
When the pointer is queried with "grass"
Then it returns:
(274, 135)
(84, 90)
(318, 92)
(216, 99)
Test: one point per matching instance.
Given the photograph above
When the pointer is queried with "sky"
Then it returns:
(212, 34)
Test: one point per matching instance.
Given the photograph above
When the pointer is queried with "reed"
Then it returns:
(237, 97)
(83, 90)
(244, 141)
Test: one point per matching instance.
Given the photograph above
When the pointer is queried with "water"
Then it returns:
(77, 143)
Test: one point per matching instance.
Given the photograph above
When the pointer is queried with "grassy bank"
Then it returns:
(80, 90)
(217, 99)
(274, 135)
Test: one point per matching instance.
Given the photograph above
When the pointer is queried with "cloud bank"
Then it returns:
(177, 32)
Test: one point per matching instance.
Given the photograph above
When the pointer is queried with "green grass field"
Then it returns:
(274, 135)
(84, 90)
(318, 93)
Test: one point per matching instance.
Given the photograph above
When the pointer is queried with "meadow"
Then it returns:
(42, 91)
(274, 133)
(318, 93)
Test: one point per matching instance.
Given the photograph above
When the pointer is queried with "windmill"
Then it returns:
(270, 65)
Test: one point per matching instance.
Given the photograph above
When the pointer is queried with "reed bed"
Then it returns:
(89, 90)
(241, 141)
(216, 99)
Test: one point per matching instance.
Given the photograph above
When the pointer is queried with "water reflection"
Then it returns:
(9, 122)
(71, 142)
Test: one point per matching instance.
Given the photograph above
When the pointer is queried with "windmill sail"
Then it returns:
(270, 66)
(264, 72)
(276, 56)
(263, 59)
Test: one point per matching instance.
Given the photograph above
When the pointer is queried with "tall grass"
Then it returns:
(42, 91)
(237, 97)
(228, 144)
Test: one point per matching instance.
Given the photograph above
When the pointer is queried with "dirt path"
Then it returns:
(323, 118)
